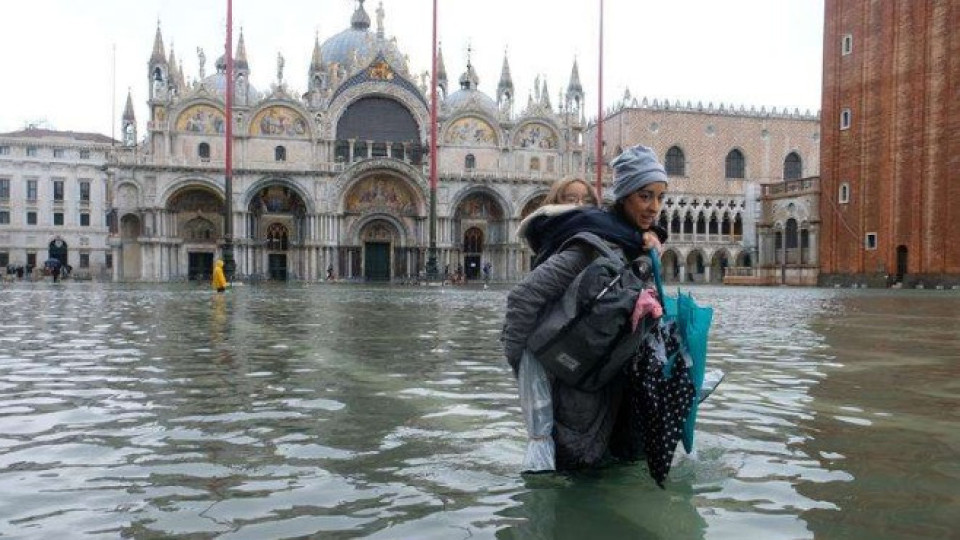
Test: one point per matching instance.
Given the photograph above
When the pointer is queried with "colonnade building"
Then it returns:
(743, 190)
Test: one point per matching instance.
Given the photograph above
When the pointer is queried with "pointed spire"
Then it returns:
(545, 96)
(506, 80)
(316, 62)
(441, 70)
(360, 19)
(574, 85)
(128, 110)
(174, 71)
(240, 58)
(159, 55)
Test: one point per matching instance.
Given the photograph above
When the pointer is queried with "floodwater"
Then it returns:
(345, 411)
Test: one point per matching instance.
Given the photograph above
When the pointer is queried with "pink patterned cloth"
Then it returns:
(647, 304)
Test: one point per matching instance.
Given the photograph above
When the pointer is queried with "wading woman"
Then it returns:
(585, 428)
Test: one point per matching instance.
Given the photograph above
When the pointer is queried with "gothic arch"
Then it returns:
(530, 202)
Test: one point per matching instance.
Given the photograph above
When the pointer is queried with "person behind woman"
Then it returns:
(584, 432)
(571, 191)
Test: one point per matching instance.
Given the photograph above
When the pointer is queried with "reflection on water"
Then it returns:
(345, 411)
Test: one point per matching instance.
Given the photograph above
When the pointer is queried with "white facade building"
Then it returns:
(53, 200)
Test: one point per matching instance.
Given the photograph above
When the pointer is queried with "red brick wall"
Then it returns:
(901, 155)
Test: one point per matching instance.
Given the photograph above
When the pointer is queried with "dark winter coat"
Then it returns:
(584, 431)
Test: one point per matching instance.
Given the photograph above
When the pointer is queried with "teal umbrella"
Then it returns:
(693, 324)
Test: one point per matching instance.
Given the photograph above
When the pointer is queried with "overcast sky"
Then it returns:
(57, 62)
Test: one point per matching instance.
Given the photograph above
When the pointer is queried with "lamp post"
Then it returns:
(600, 110)
(229, 265)
(432, 267)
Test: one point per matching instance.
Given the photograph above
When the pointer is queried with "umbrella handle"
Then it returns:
(657, 271)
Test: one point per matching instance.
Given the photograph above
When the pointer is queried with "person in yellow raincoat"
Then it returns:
(219, 281)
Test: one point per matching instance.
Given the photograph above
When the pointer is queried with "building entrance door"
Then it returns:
(376, 261)
(199, 265)
(901, 263)
(58, 250)
(277, 266)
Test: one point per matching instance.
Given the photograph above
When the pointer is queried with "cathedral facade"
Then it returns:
(335, 179)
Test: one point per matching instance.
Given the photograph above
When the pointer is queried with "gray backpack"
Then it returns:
(584, 338)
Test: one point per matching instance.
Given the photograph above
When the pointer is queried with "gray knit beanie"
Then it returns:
(635, 168)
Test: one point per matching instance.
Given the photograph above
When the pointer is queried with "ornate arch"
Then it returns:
(355, 228)
(362, 169)
(536, 196)
(280, 119)
(127, 194)
(268, 181)
(461, 196)
(202, 117)
(525, 135)
(340, 104)
(187, 182)
(471, 129)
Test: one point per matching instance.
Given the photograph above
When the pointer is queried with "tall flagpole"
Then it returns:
(600, 111)
(432, 267)
(229, 265)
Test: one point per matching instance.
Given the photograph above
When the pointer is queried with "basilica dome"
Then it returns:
(218, 81)
(468, 98)
(359, 44)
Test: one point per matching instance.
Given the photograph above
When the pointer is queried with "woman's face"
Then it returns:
(643, 206)
(577, 193)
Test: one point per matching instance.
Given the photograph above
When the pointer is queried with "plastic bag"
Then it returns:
(536, 402)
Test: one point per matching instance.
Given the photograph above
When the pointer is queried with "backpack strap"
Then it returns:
(595, 242)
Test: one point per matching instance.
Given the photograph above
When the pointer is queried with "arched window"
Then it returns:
(701, 224)
(792, 167)
(277, 237)
(203, 151)
(688, 224)
(713, 226)
(844, 193)
(735, 164)
(470, 162)
(473, 240)
(675, 224)
(676, 163)
(280, 153)
(663, 221)
(791, 233)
